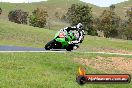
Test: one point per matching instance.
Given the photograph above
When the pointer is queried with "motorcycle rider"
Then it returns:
(78, 32)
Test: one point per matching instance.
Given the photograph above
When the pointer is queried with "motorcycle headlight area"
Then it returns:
(61, 34)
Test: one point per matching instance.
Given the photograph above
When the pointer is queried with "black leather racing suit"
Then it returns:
(78, 33)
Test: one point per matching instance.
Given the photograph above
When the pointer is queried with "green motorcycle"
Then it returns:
(62, 40)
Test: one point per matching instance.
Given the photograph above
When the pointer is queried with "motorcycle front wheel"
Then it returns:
(49, 45)
(70, 47)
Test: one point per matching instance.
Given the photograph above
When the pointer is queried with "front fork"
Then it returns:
(76, 46)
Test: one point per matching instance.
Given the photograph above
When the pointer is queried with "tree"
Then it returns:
(96, 22)
(129, 15)
(128, 31)
(126, 26)
(0, 11)
(18, 16)
(80, 13)
(38, 18)
(112, 7)
(109, 22)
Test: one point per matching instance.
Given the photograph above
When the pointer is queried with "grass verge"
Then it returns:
(46, 70)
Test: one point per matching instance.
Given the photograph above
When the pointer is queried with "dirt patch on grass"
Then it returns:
(108, 65)
(111, 50)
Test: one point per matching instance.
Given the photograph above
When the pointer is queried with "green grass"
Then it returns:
(45, 70)
(92, 43)
(17, 34)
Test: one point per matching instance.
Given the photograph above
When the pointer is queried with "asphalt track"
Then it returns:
(4, 48)
(20, 48)
(15, 49)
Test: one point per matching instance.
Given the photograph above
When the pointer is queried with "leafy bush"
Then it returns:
(38, 18)
(64, 18)
(57, 15)
(18, 16)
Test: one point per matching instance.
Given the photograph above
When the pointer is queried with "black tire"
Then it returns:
(69, 48)
(49, 46)
(81, 80)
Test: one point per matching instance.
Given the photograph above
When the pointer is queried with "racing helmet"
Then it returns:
(79, 26)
